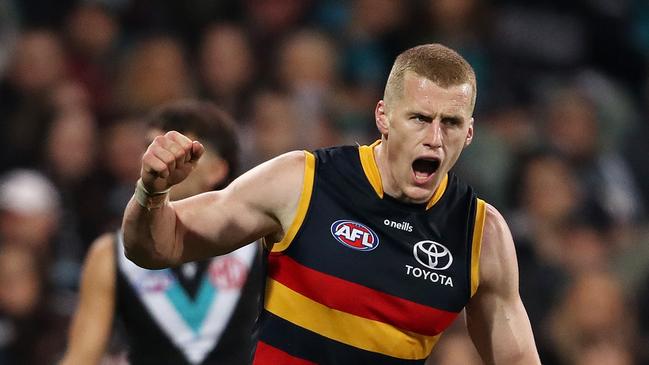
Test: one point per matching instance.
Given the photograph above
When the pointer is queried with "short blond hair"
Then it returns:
(434, 61)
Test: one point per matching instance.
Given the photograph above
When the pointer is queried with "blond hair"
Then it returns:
(436, 62)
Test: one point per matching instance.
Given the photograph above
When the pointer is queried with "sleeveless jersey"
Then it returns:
(362, 278)
(204, 317)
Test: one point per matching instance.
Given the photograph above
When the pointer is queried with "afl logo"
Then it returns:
(354, 235)
(433, 255)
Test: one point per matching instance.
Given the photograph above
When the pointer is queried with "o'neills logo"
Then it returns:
(434, 256)
(404, 226)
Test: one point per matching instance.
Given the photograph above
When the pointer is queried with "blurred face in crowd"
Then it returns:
(602, 294)
(226, 59)
(154, 74)
(38, 62)
(92, 30)
(307, 60)
(20, 283)
(377, 17)
(572, 126)
(425, 129)
(549, 174)
(123, 142)
(275, 16)
(275, 124)
(451, 15)
(34, 229)
(71, 144)
(584, 249)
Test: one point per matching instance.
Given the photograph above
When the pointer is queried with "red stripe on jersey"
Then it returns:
(269, 355)
(357, 299)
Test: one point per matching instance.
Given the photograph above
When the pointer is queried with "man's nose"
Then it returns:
(434, 134)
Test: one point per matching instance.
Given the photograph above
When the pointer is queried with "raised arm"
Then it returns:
(93, 319)
(496, 319)
(260, 203)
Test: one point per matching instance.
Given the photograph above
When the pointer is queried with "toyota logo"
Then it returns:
(433, 255)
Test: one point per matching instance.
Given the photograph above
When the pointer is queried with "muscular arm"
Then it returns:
(92, 323)
(262, 202)
(496, 318)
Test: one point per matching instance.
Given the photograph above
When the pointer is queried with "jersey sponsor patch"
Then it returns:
(433, 255)
(354, 235)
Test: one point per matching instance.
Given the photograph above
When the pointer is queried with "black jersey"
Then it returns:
(362, 278)
(199, 313)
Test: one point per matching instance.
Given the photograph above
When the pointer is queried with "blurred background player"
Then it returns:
(198, 313)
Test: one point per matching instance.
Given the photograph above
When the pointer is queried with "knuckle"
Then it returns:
(158, 140)
(176, 151)
(168, 159)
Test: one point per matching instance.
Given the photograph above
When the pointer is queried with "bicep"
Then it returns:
(496, 317)
(257, 204)
(93, 319)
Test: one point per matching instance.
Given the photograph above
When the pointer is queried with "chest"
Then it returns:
(418, 255)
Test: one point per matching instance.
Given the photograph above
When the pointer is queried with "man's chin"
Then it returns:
(418, 194)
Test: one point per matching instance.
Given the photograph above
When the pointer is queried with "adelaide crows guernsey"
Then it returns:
(362, 278)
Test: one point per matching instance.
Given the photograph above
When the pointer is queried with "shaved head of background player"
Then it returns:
(343, 285)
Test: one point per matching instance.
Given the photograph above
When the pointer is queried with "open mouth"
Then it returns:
(424, 168)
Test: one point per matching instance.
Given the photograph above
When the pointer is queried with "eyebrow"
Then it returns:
(454, 117)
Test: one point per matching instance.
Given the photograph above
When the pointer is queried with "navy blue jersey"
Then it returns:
(363, 278)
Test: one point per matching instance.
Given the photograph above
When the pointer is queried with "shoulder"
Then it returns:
(100, 259)
(288, 164)
(274, 186)
(102, 248)
(99, 266)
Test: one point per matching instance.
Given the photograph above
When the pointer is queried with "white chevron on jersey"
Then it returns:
(194, 335)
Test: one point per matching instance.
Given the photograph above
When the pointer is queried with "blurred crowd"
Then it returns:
(561, 149)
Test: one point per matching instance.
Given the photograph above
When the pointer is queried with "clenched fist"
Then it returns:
(168, 160)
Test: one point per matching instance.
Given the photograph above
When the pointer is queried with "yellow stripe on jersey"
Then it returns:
(439, 192)
(369, 167)
(374, 177)
(302, 206)
(359, 332)
(476, 244)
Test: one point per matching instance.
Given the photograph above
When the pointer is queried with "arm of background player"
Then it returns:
(496, 319)
(92, 323)
(260, 203)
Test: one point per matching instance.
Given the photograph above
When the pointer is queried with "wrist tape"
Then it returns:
(150, 200)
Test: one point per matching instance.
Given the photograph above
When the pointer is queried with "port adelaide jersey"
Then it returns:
(362, 278)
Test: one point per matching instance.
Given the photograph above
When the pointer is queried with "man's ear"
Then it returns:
(381, 117)
(469, 134)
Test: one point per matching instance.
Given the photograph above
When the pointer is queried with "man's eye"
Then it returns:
(421, 119)
(451, 121)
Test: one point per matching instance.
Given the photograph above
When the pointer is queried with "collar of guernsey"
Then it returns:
(371, 170)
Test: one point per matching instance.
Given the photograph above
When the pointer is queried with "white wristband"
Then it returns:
(150, 200)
